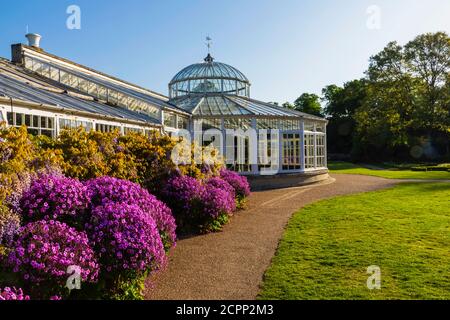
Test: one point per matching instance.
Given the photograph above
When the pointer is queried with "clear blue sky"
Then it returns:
(285, 47)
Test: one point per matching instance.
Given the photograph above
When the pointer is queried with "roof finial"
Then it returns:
(208, 43)
(209, 58)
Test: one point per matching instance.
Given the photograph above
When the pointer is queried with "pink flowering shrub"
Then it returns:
(198, 205)
(228, 196)
(238, 182)
(125, 238)
(107, 189)
(12, 294)
(183, 194)
(53, 197)
(44, 250)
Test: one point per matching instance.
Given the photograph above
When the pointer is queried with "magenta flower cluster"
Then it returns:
(218, 197)
(196, 202)
(106, 227)
(52, 197)
(107, 189)
(238, 182)
(12, 294)
(125, 238)
(184, 194)
(44, 250)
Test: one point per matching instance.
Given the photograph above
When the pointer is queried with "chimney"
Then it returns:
(33, 39)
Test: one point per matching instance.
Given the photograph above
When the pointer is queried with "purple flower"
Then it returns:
(239, 183)
(195, 204)
(125, 238)
(183, 193)
(107, 189)
(54, 197)
(12, 294)
(216, 201)
(44, 250)
(218, 197)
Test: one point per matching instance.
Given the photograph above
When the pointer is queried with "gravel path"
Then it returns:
(231, 264)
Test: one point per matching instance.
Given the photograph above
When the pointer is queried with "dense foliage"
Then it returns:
(200, 205)
(85, 200)
(142, 159)
(54, 197)
(399, 111)
(44, 250)
(9, 224)
(107, 189)
(239, 183)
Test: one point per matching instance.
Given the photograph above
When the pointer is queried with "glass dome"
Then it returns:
(209, 77)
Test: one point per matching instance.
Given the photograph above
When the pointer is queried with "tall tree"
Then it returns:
(342, 102)
(308, 103)
(288, 105)
(340, 106)
(428, 59)
(406, 97)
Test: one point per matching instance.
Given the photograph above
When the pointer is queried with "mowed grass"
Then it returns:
(328, 246)
(350, 168)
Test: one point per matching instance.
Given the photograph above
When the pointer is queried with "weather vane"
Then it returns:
(208, 43)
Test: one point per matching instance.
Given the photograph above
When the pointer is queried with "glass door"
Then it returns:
(291, 155)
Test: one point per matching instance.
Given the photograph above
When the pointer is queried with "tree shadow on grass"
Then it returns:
(431, 187)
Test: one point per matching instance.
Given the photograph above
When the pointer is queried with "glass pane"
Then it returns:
(19, 119)
(34, 132)
(28, 120)
(48, 133)
(10, 117)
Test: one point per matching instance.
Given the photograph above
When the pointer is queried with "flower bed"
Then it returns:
(107, 189)
(239, 183)
(52, 197)
(44, 250)
(203, 205)
(98, 227)
(113, 230)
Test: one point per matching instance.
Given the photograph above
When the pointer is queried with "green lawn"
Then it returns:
(350, 168)
(328, 246)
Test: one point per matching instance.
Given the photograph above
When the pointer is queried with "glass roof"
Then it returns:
(231, 105)
(209, 70)
(16, 84)
(209, 77)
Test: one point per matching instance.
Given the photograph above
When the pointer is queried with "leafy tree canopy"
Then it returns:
(308, 103)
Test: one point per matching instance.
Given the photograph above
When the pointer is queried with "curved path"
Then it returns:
(231, 264)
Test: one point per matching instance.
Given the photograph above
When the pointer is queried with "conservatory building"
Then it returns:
(254, 137)
(210, 100)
